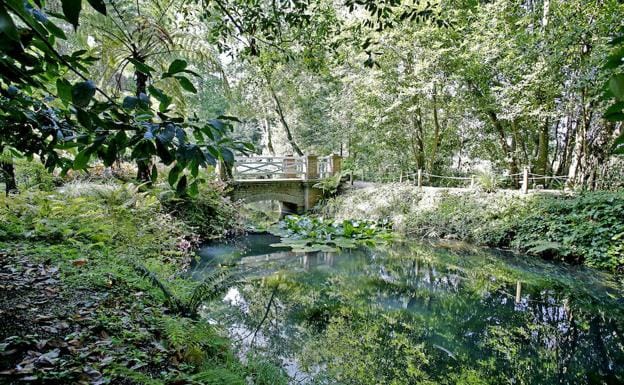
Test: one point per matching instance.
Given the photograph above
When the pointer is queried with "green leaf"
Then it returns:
(181, 187)
(71, 10)
(82, 159)
(7, 26)
(174, 173)
(154, 174)
(186, 84)
(142, 67)
(616, 84)
(83, 118)
(98, 5)
(615, 112)
(193, 189)
(64, 90)
(176, 66)
(82, 93)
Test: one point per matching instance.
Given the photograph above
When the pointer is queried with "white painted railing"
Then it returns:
(285, 167)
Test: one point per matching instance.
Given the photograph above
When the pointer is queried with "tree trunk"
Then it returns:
(269, 143)
(144, 166)
(502, 138)
(8, 174)
(280, 113)
(541, 164)
(141, 83)
(436, 132)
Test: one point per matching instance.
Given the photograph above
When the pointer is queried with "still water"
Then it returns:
(419, 313)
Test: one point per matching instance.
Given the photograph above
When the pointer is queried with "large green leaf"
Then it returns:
(186, 84)
(82, 93)
(71, 10)
(98, 5)
(7, 26)
(176, 66)
(64, 90)
(616, 84)
(82, 159)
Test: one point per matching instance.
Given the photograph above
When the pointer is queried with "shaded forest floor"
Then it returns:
(55, 334)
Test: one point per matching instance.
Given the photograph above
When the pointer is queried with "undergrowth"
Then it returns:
(586, 228)
(117, 240)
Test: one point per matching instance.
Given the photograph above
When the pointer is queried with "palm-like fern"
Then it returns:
(212, 287)
(141, 34)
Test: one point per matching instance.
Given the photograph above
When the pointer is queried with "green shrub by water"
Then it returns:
(588, 228)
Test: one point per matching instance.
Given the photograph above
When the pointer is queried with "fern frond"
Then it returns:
(171, 299)
(213, 286)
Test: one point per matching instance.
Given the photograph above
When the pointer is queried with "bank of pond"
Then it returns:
(417, 312)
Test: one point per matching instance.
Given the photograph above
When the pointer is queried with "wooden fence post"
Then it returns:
(420, 178)
(312, 171)
(525, 180)
(472, 181)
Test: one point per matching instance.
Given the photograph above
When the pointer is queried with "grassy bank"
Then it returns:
(80, 269)
(582, 228)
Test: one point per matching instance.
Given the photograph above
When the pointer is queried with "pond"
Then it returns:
(413, 312)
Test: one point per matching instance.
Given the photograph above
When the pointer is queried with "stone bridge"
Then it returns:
(289, 180)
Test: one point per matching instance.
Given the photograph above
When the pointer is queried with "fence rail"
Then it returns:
(525, 179)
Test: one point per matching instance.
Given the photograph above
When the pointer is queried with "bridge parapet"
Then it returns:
(309, 167)
(287, 179)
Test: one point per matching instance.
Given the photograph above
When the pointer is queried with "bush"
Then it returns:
(582, 229)
(208, 213)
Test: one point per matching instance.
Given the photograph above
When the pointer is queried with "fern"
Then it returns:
(171, 299)
(213, 286)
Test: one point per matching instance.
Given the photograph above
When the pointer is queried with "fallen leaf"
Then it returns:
(79, 262)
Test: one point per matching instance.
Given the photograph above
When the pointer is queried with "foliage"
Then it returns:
(615, 112)
(208, 213)
(307, 233)
(45, 113)
(487, 182)
(580, 228)
(330, 184)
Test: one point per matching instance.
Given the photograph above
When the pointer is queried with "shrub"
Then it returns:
(208, 213)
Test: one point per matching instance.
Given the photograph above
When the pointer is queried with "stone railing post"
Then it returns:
(336, 164)
(419, 178)
(290, 167)
(311, 167)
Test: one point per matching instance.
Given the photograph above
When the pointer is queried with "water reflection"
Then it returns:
(417, 314)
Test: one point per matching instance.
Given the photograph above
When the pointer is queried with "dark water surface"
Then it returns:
(417, 313)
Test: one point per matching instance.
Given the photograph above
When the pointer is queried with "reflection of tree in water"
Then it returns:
(443, 316)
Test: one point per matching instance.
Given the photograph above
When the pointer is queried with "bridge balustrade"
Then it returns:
(308, 167)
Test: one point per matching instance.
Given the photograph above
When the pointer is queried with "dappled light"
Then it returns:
(307, 192)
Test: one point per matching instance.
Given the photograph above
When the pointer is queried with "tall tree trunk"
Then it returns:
(436, 131)
(280, 114)
(502, 139)
(417, 140)
(269, 142)
(144, 166)
(541, 164)
(8, 174)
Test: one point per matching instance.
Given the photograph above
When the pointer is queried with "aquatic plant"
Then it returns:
(309, 233)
